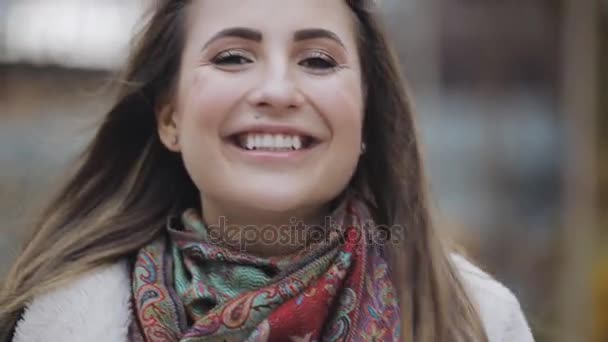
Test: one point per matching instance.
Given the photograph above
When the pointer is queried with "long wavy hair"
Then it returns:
(128, 182)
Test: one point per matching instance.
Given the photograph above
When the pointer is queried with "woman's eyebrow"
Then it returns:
(237, 32)
(256, 36)
(316, 33)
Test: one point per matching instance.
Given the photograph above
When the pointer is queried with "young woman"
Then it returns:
(258, 179)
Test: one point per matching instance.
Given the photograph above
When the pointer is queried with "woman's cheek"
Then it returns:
(339, 95)
(209, 98)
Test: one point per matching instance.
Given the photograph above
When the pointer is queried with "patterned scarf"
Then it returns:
(187, 289)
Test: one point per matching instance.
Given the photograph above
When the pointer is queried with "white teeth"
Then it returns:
(250, 142)
(297, 143)
(256, 141)
(268, 141)
(288, 141)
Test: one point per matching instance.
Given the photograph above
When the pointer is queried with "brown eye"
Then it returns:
(319, 61)
(231, 58)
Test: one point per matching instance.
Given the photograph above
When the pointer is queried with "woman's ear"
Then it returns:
(167, 127)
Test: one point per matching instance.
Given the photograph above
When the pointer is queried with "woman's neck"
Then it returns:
(263, 233)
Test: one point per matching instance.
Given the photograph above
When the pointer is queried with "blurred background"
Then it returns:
(511, 103)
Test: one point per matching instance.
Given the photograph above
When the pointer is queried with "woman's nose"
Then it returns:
(277, 89)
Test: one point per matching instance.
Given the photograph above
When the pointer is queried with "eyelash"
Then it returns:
(229, 57)
(239, 57)
(330, 63)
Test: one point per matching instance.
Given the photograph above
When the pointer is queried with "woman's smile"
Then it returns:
(272, 143)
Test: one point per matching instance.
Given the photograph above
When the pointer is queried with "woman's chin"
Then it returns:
(272, 201)
(277, 203)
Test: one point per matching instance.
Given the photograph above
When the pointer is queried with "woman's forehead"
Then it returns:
(271, 17)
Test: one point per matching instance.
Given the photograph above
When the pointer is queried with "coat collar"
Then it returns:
(95, 307)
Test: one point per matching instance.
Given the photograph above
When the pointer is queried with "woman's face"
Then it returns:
(268, 106)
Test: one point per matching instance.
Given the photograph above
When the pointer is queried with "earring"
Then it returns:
(363, 148)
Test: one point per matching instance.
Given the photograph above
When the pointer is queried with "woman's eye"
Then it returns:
(231, 58)
(319, 61)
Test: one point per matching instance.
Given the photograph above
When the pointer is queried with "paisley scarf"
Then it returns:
(188, 289)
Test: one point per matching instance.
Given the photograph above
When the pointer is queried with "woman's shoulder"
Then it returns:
(93, 307)
(499, 309)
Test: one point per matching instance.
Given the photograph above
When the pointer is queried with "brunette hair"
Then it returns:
(128, 182)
